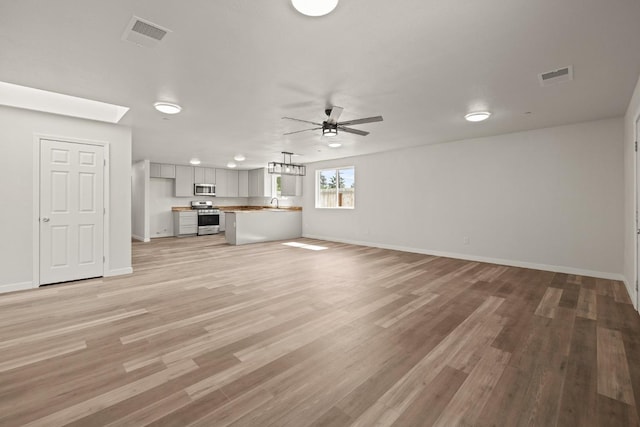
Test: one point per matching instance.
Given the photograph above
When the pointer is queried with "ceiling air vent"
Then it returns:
(144, 33)
(556, 76)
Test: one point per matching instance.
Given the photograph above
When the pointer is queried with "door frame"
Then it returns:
(36, 199)
(636, 222)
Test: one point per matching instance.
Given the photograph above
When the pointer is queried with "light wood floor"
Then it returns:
(272, 335)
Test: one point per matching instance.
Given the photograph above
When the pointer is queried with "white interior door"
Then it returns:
(71, 211)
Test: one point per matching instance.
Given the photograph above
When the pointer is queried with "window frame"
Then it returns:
(317, 187)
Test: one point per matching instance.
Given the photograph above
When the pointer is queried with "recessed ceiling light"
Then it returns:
(335, 145)
(231, 165)
(194, 161)
(478, 116)
(314, 7)
(167, 107)
(239, 158)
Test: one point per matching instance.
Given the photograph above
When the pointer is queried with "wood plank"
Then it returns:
(92, 405)
(579, 402)
(466, 404)
(613, 412)
(587, 307)
(549, 303)
(406, 310)
(428, 406)
(234, 410)
(41, 356)
(613, 372)
(398, 398)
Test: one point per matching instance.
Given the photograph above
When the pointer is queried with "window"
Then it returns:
(335, 188)
(276, 185)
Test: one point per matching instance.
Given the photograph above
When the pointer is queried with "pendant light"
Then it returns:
(286, 167)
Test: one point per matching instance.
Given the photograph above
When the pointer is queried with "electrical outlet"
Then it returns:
(466, 240)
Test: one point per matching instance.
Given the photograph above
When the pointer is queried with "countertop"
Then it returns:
(241, 208)
(244, 211)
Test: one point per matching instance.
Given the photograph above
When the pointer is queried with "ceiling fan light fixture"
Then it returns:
(167, 107)
(329, 131)
(477, 116)
(314, 7)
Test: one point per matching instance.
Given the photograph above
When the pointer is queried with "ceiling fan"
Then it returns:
(331, 126)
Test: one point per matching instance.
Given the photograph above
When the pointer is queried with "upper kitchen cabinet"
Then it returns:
(161, 170)
(291, 185)
(204, 175)
(259, 183)
(221, 183)
(226, 183)
(243, 183)
(184, 181)
(232, 183)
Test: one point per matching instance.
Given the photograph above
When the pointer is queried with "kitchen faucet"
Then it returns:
(277, 202)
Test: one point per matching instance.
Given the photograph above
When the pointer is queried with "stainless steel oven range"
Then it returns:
(208, 217)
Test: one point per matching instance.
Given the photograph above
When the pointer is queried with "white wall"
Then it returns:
(633, 114)
(547, 198)
(162, 199)
(140, 200)
(17, 133)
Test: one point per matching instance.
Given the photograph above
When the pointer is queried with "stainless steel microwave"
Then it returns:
(204, 190)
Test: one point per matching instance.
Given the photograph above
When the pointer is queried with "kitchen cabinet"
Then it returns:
(222, 221)
(259, 183)
(162, 170)
(185, 223)
(262, 226)
(204, 175)
(222, 185)
(290, 185)
(243, 183)
(184, 181)
(232, 183)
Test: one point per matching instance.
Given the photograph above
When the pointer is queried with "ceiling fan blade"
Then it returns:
(361, 121)
(298, 131)
(335, 115)
(351, 130)
(303, 121)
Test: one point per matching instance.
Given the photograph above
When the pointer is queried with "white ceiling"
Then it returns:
(238, 66)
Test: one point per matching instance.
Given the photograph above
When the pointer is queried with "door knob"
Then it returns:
(45, 219)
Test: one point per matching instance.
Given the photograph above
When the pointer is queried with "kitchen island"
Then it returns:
(264, 225)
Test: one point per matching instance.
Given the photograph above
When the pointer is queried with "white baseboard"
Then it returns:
(12, 287)
(161, 235)
(119, 272)
(140, 239)
(631, 292)
(500, 261)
